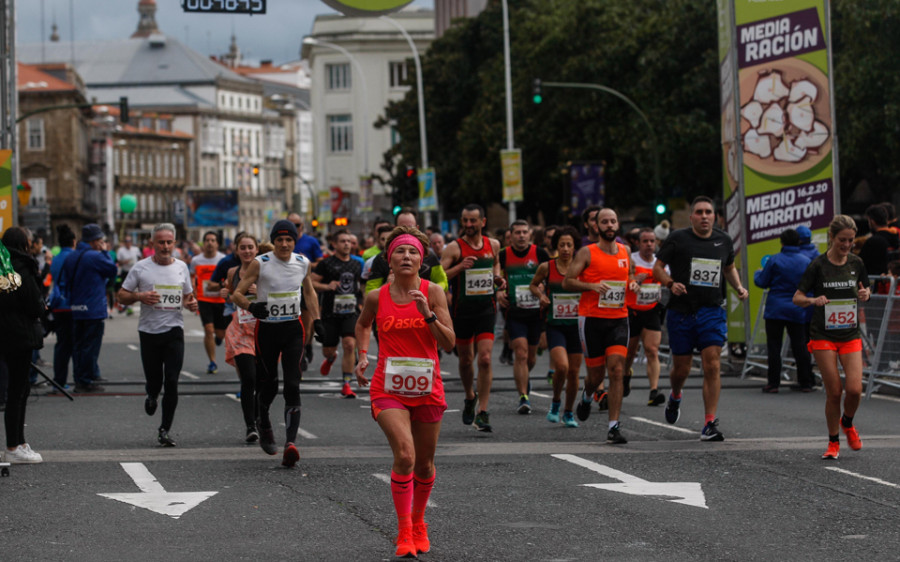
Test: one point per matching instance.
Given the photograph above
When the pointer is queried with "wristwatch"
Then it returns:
(431, 320)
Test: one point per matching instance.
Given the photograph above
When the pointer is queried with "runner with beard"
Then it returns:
(473, 269)
(602, 272)
(336, 279)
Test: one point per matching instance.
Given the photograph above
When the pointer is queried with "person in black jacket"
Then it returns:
(876, 251)
(20, 314)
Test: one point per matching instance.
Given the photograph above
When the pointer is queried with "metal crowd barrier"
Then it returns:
(758, 350)
(880, 328)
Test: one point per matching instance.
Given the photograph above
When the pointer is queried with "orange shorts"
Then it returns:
(841, 347)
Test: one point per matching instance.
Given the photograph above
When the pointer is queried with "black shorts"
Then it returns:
(337, 327)
(214, 313)
(640, 320)
(469, 328)
(530, 329)
(601, 337)
(564, 336)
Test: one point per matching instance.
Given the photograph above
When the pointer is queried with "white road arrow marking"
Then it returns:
(687, 493)
(154, 497)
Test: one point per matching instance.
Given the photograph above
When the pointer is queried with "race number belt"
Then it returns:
(705, 272)
(525, 299)
(408, 376)
(614, 297)
(479, 282)
(245, 316)
(648, 294)
(169, 297)
(840, 314)
(344, 304)
(565, 306)
(283, 306)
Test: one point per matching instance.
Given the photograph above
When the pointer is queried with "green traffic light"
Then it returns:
(397, 209)
(538, 98)
(660, 209)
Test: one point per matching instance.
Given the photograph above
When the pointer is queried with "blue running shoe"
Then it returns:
(553, 414)
(212, 369)
(524, 405)
(569, 419)
(673, 410)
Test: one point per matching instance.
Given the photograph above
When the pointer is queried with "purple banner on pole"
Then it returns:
(780, 37)
(769, 214)
(586, 184)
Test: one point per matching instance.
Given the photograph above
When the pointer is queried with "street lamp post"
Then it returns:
(423, 138)
(508, 78)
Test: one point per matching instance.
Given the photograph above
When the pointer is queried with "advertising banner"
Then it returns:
(325, 215)
(211, 208)
(586, 185)
(511, 163)
(6, 191)
(366, 198)
(428, 200)
(779, 160)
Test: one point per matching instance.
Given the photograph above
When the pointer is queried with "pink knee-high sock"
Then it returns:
(402, 492)
(421, 493)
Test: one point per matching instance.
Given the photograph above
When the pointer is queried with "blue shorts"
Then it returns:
(564, 336)
(704, 328)
(530, 329)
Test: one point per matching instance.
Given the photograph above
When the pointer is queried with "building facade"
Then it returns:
(446, 11)
(346, 104)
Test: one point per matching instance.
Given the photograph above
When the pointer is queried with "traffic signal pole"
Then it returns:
(510, 145)
(654, 145)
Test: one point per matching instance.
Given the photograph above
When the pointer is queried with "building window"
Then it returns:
(38, 190)
(35, 134)
(165, 124)
(398, 73)
(340, 131)
(338, 76)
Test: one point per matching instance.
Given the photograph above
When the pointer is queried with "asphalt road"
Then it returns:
(523, 492)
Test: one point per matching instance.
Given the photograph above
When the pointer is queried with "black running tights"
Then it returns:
(246, 370)
(162, 356)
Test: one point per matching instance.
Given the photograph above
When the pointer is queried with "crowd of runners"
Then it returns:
(589, 298)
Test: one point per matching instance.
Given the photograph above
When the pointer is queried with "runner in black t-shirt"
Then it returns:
(336, 279)
(837, 280)
(519, 262)
(699, 259)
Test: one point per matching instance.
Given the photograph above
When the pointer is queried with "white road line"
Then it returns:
(540, 394)
(884, 397)
(133, 347)
(233, 397)
(862, 477)
(665, 425)
(305, 434)
(387, 480)
(450, 411)
(189, 375)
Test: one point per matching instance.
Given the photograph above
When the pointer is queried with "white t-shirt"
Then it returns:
(282, 278)
(172, 282)
(127, 257)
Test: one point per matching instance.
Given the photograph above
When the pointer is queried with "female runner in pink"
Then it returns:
(407, 392)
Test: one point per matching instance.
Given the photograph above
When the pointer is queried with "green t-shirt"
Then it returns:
(838, 320)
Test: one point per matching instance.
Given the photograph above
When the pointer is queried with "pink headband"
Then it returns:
(406, 239)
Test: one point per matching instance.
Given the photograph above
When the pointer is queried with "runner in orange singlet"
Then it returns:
(602, 272)
(407, 391)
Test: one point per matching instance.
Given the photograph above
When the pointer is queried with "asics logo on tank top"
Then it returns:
(391, 323)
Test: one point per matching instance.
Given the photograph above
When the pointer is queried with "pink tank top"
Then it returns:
(408, 369)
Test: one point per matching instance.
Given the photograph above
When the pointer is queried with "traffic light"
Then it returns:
(660, 208)
(340, 221)
(255, 171)
(314, 223)
(396, 210)
(537, 97)
(123, 109)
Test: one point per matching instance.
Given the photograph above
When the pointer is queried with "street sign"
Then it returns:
(154, 497)
(224, 6)
(687, 493)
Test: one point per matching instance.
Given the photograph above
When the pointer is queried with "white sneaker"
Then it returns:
(21, 455)
(33, 452)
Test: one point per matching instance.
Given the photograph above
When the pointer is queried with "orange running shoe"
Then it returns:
(406, 548)
(326, 365)
(347, 392)
(852, 437)
(833, 451)
(291, 456)
(420, 537)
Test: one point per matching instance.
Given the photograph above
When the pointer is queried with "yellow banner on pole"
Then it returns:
(511, 163)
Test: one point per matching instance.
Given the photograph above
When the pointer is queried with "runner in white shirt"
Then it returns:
(282, 280)
(162, 284)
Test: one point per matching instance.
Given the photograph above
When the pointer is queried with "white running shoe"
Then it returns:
(23, 455)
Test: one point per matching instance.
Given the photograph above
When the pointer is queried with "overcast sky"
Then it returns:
(276, 35)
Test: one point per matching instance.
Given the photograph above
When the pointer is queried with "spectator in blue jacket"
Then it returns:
(781, 275)
(63, 323)
(807, 248)
(87, 271)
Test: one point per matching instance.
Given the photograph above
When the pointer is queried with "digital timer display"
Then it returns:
(225, 6)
